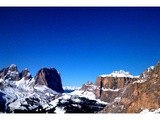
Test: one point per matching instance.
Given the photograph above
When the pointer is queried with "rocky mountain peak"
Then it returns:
(13, 67)
(45, 76)
(25, 74)
(49, 77)
(10, 72)
(120, 73)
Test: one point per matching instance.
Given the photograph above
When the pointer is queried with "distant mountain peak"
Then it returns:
(13, 65)
(150, 68)
(120, 73)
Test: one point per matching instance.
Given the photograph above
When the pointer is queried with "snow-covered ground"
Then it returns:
(147, 111)
(1, 80)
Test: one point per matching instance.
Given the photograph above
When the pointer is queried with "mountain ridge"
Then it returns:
(117, 92)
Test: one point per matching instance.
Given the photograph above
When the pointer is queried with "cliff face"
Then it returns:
(10, 72)
(50, 78)
(25, 74)
(125, 93)
(108, 87)
(114, 82)
(111, 87)
(139, 95)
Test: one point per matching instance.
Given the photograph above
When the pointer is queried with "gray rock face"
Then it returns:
(49, 77)
(25, 74)
(10, 72)
(3, 72)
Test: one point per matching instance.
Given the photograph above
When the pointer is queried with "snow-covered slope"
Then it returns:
(77, 102)
(23, 95)
(19, 93)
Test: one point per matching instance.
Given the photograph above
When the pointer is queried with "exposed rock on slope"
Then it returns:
(139, 95)
(10, 73)
(126, 93)
(49, 77)
(108, 87)
(25, 74)
(45, 76)
(19, 93)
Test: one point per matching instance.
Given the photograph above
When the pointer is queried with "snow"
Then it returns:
(59, 110)
(89, 95)
(91, 86)
(40, 88)
(71, 88)
(120, 73)
(139, 81)
(76, 92)
(26, 85)
(1, 80)
(150, 68)
(136, 76)
(16, 93)
(101, 102)
(113, 90)
(15, 105)
(28, 74)
(25, 68)
(12, 65)
(86, 94)
(76, 100)
(54, 102)
(117, 99)
(147, 111)
(66, 96)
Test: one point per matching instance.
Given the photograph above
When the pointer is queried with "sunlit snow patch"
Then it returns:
(146, 111)
(59, 110)
(139, 81)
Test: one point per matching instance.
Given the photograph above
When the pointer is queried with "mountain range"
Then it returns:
(117, 92)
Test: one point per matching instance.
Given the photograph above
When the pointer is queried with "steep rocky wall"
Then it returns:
(114, 82)
(49, 77)
(139, 95)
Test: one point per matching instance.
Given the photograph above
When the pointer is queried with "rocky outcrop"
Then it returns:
(49, 77)
(139, 95)
(110, 82)
(111, 85)
(45, 76)
(10, 73)
(25, 74)
(3, 72)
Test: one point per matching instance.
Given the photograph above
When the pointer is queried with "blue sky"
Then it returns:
(81, 43)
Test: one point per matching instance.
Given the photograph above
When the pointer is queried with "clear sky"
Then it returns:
(81, 43)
